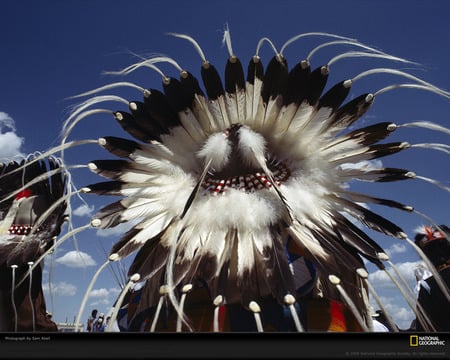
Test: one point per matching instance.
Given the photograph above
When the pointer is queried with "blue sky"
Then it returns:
(53, 50)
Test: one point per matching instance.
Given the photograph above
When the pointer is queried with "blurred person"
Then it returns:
(380, 318)
(99, 324)
(378, 326)
(108, 319)
(91, 319)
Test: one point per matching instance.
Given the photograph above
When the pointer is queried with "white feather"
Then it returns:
(261, 240)
(155, 165)
(236, 106)
(315, 126)
(255, 106)
(141, 207)
(238, 210)
(245, 254)
(302, 235)
(249, 99)
(218, 110)
(252, 146)
(204, 116)
(214, 245)
(300, 118)
(216, 149)
(182, 146)
(358, 171)
(281, 124)
(150, 228)
(272, 110)
(340, 148)
(192, 126)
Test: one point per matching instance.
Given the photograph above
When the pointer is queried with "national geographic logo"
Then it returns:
(415, 340)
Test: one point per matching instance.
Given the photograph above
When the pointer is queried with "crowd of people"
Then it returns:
(97, 324)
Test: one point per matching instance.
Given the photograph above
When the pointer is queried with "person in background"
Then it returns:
(108, 319)
(378, 326)
(435, 243)
(99, 324)
(91, 320)
(381, 319)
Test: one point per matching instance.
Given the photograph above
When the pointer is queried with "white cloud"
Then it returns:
(396, 249)
(76, 259)
(379, 278)
(103, 292)
(99, 292)
(114, 291)
(61, 288)
(104, 297)
(10, 142)
(6, 121)
(83, 210)
(100, 302)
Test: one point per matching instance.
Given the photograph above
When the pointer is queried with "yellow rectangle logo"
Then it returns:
(413, 340)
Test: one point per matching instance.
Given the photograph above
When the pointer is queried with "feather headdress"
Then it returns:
(32, 207)
(223, 177)
(33, 201)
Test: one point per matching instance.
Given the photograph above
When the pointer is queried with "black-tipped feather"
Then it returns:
(151, 258)
(110, 215)
(275, 79)
(152, 128)
(124, 243)
(234, 75)
(344, 254)
(129, 124)
(212, 82)
(359, 240)
(162, 110)
(190, 88)
(297, 85)
(365, 136)
(370, 219)
(255, 70)
(317, 81)
(334, 97)
(106, 188)
(381, 175)
(175, 96)
(350, 112)
(119, 146)
(372, 152)
(376, 200)
(114, 169)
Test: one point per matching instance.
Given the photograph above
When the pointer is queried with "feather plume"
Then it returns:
(222, 178)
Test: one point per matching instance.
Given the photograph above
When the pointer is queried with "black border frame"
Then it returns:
(222, 346)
